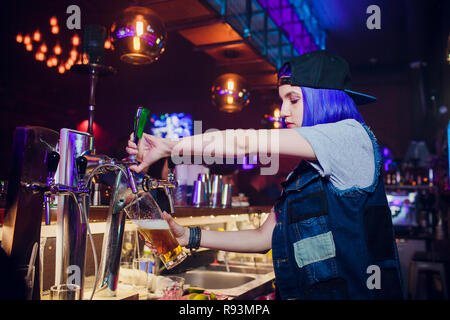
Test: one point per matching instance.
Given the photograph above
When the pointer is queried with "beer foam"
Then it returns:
(149, 224)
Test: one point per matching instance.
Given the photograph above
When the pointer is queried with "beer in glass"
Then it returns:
(146, 214)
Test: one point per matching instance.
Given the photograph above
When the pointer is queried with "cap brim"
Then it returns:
(360, 98)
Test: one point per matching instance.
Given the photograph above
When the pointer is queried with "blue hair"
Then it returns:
(327, 106)
(324, 105)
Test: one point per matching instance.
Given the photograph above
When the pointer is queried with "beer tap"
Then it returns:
(51, 188)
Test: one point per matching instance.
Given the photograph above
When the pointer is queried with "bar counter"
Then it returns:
(100, 213)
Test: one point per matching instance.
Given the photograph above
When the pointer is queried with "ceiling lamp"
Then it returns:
(229, 93)
(275, 117)
(140, 36)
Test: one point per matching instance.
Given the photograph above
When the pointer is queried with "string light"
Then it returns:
(57, 49)
(73, 53)
(43, 48)
(53, 21)
(52, 55)
(37, 36)
(40, 56)
(75, 40)
(27, 39)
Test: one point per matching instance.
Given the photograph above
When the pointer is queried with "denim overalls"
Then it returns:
(334, 244)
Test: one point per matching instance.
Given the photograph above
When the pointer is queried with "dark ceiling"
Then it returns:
(31, 93)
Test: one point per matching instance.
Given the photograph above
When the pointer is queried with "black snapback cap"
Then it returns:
(323, 70)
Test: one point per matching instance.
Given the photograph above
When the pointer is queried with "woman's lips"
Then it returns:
(289, 125)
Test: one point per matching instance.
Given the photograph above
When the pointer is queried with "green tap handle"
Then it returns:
(140, 120)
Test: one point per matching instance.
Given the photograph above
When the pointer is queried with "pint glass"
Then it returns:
(146, 214)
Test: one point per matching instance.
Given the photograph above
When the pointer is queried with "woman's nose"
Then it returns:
(284, 112)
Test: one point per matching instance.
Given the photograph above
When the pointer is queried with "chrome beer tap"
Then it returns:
(127, 183)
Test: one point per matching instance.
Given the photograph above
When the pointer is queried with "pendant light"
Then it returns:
(139, 35)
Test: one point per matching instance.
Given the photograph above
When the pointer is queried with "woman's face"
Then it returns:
(292, 105)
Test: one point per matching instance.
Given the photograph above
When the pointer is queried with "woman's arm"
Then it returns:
(223, 144)
(246, 241)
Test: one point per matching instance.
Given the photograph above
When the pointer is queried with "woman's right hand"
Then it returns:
(149, 150)
(180, 233)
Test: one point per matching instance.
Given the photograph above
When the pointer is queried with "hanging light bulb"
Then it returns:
(55, 29)
(37, 36)
(40, 56)
(49, 63)
(43, 48)
(107, 44)
(27, 39)
(19, 38)
(57, 49)
(73, 54)
(29, 47)
(53, 21)
(139, 35)
(61, 69)
(229, 93)
(75, 40)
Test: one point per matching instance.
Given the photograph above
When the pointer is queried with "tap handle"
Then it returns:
(81, 165)
(140, 121)
(52, 161)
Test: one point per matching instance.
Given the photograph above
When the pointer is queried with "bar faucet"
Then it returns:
(52, 188)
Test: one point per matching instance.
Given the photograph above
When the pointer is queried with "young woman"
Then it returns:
(331, 231)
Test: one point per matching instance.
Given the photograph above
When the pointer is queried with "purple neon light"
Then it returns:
(130, 32)
(288, 20)
(248, 166)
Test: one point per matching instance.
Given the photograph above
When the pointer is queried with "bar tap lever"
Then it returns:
(140, 121)
(81, 169)
(52, 161)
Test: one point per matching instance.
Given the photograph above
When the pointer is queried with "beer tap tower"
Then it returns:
(47, 164)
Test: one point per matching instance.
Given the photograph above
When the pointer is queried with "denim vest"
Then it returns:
(334, 244)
